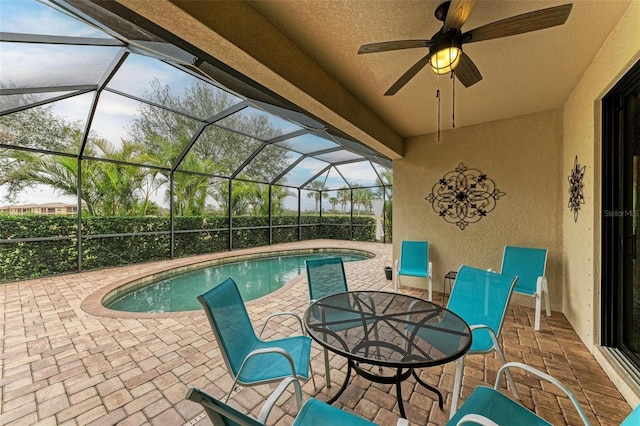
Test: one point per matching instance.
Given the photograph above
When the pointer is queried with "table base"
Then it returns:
(396, 379)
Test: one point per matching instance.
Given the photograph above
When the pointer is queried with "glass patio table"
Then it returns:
(385, 329)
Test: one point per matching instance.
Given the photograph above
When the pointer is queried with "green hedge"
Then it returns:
(102, 247)
(51, 257)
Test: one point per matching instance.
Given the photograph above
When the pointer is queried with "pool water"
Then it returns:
(255, 278)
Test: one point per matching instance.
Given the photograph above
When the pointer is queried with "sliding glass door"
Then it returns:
(621, 217)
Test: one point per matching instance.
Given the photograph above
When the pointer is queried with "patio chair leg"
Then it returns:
(430, 289)
(327, 377)
(233, 386)
(313, 376)
(545, 290)
(396, 280)
(542, 290)
(538, 297)
(507, 373)
(457, 386)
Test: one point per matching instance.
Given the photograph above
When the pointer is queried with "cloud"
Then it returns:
(34, 65)
(33, 17)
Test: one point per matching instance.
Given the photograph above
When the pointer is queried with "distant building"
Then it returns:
(47, 208)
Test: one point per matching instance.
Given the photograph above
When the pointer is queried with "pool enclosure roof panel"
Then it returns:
(143, 101)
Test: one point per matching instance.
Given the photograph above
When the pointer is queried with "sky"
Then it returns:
(39, 65)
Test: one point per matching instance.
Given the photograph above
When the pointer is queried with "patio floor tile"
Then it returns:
(66, 360)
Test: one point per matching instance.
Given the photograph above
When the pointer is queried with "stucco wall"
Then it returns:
(582, 124)
(523, 156)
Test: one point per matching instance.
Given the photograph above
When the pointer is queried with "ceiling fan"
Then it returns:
(445, 47)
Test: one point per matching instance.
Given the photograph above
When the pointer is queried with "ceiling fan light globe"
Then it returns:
(445, 60)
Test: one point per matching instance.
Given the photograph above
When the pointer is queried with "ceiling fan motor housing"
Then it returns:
(446, 50)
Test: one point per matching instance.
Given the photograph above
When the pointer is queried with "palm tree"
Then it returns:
(334, 202)
(344, 196)
(241, 193)
(278, 195)
(107, 188)
(118, 189)
(362, 197)
(316, 187)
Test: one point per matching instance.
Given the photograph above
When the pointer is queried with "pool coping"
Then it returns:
(93, 303)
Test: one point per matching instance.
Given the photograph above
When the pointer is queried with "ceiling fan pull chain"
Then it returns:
(438, 97)
(453, 108)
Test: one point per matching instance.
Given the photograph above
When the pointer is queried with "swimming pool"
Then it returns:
(255, 277)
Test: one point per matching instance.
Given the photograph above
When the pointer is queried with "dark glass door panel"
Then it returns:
(630, 314)
(620, 201)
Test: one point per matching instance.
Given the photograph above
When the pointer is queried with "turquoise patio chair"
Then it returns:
(250, 360)
(528, 264)
(633, 419)
(324, 278)
(481, 297)
(313, 413)
(414, 262)
(488, 407)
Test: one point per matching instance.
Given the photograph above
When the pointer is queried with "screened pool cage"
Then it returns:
(121, 145)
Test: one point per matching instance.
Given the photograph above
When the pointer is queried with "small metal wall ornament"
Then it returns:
(464, 196)
(576, 196)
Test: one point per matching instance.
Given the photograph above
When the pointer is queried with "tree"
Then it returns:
(344, 195)
(334, 202)
(108, 188)
(219, 151)
(316, 193)
(278, 195)
(115, 189)
(37, 128)
(226, 149)
(386, 192)
(362, 198)
(385, 179)
(157, 137)
(243, 196)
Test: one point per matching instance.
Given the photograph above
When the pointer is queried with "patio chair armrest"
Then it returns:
(539, 285)
(277, 393)
(278, 314)
(410, 308)
(263, 351)
(479, 326)
(477, 419)
(548, 378)
(373, 304)
(402, 422)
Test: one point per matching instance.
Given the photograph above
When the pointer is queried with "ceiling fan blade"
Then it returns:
(459, 12)
(532, 21)
(411, 72)
(466, 72)
(393, 45)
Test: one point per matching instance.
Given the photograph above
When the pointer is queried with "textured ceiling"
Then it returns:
(521, 74)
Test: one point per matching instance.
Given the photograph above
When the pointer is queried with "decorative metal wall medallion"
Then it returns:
(576, 196)
(464, 196)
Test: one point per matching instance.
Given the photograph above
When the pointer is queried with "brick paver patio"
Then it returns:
(65, 360)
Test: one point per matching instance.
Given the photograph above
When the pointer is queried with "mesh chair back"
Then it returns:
(220, 413)
(230, 323)
(414, 258)
(633, 418)
(481, 297)
(325, 277)
(527, 264)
